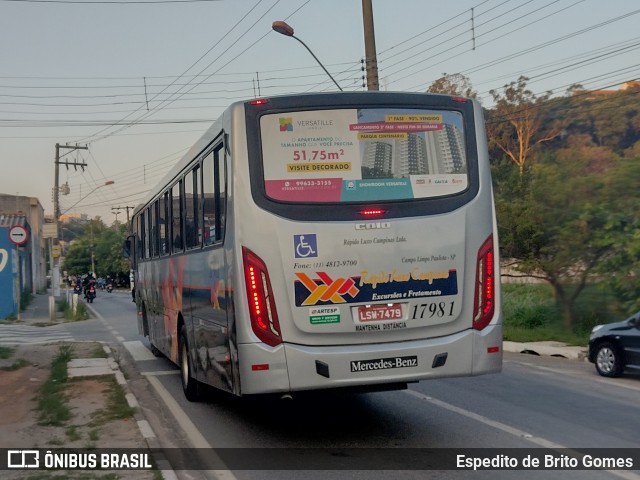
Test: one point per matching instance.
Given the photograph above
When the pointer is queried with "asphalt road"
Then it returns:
(536, 402)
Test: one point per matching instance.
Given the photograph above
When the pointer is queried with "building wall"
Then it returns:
(33, 212)
(9, 264)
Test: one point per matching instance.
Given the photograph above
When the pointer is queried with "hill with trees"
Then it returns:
(566, 174)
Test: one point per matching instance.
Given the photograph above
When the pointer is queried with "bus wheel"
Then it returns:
(189, 384)
(155, 350)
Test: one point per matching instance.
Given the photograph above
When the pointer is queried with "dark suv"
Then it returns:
(616, 346)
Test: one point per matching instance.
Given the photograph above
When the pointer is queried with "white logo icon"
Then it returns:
(23, 459)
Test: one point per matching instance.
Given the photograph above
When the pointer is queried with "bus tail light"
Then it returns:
(262, 307)
(484, 302)
(372, 212)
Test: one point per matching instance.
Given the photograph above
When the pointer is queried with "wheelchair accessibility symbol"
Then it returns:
(306, 246)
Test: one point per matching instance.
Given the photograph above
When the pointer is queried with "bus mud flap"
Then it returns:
(322, 369)
(439, 360)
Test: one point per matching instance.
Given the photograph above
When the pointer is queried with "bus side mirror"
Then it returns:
(127, 248)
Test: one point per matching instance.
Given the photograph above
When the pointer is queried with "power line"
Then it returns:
(507, 23)
(99, 135)
(118, 2)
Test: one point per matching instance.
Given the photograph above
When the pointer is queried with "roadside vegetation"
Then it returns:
(5, 354)
(69, 314)
(53, 402)
(566, 170)
(531, 314)
(105, 243)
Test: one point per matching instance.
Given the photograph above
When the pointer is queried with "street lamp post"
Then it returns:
(108, 182)
(286, 30)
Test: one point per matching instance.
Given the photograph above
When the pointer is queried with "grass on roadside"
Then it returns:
(99, 352)
(52, 402)
(530, 314)
(73, 476)
(5, 352)
(117, 406)
(16, 365)
(81, 312)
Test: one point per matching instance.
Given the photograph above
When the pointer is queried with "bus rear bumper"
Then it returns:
(289, 367)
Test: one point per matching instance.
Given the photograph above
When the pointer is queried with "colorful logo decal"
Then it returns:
(326, 290)
(305, 246)
(286, 124)
(373, 287)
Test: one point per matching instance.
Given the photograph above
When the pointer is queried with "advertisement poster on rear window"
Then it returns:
(354, 155)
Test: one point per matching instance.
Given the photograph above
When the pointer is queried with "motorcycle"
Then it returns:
(91, 293)
(109, 287)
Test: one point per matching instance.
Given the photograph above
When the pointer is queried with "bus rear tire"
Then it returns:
(155, 350)
(190, 385)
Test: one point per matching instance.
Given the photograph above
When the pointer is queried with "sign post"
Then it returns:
(18, 235)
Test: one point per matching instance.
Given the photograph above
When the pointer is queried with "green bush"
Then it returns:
(530, 313)
(81, 313)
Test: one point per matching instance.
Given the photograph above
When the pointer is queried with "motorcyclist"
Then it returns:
(87, 282)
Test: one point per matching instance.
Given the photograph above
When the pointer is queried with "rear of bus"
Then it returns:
(366, 239)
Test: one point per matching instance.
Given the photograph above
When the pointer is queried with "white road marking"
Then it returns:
(138, 351)
(542, 442)
(196, 439)
(161, 373)
(595, 378)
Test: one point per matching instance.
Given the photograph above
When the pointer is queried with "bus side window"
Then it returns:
(153, 219)
(142, 232)
(220, 175)
(162, 224)
(191, 208)
(208, 199)
(176, 212)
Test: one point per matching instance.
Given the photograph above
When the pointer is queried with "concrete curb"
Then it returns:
(552, 349)
(146, 431)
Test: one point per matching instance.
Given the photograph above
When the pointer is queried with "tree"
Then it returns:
(555, 224)
(611, 119)
(455, 84)
(515, 125)
(622, 232)
(105, 243)
(108, 251)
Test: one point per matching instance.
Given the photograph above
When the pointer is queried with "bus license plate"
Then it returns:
(376, 313)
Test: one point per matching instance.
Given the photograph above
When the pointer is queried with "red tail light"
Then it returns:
(372, 212)
(262, 308)
(484, 303)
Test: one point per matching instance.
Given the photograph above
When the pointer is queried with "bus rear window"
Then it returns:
(363, 155)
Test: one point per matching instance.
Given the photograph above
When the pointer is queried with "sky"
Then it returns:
(138, 82)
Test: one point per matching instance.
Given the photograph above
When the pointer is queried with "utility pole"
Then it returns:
(56, 187)
(371, 61)
(55, 267)
(127, 208)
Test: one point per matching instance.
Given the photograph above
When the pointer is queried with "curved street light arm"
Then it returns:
(284, 29)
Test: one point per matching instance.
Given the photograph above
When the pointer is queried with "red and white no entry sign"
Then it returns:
(18, 235)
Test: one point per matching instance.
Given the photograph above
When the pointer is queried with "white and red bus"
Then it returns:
(322, 241)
